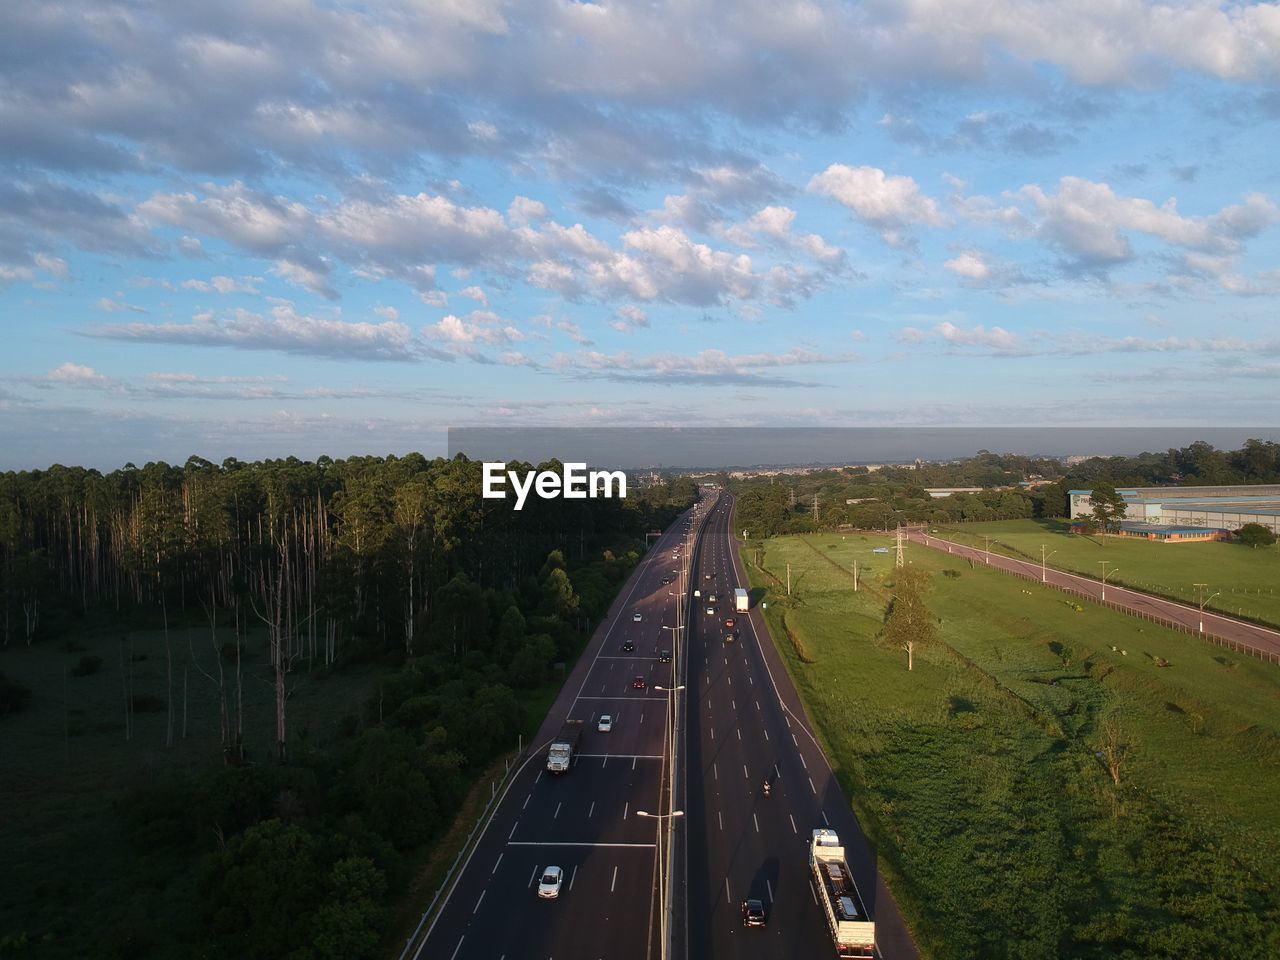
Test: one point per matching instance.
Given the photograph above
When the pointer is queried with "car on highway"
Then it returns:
(729, 623)
(628, 646)
(706, 576)
(697, 593)
(549, 885)
(638, 683)
(730, 636)
(711, 611)
(664, 656)
(711, 599)
(752, 913)
(666, 580)
(636, 618)
(605, 723)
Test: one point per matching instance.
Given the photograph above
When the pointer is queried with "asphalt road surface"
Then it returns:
(583, 820)
(740, 722)
(1262, 639)
(745, 725)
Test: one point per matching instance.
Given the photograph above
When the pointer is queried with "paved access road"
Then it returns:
(584, 820)
(745, 724)
(1226, 628)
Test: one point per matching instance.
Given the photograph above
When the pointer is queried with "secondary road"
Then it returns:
(1189, 617)
(745, 725)
(584, 820)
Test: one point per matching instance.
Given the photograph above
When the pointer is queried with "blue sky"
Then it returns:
(259, 229)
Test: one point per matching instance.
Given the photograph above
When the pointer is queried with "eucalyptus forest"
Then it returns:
(240, 703)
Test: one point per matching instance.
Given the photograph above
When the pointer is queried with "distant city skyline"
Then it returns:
(305, 228)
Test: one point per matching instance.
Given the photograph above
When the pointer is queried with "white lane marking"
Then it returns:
(603, 687)
(525, 805)
(715, 771)
(498, 861)
(592, 811)
(802, 762)
(757, 704)
(756, 822)
(787, 718)
(765, 732)
(720, 817)
(573, 876)
(733, 703)
(738, 730)
(537, 778)
(513, 830)
(476, 908)
(824, 818)
(727, 898)
(605, 762)
(729, 679)
(642, 721)
(531, 876)
(812, 787)
(627, 808)
(614, 882)
(795, 741)
(633, 762)
(793, 823)
(750, 681)
(770, 886)
(745, 775)
(457, 948)
(708, 706)
(713, 731)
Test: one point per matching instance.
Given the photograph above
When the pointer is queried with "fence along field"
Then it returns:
(977, 775)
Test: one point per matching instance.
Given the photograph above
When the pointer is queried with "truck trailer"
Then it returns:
(560, 753)
(741, 601)
(850, 925)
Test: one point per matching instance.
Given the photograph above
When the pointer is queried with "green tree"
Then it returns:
(348, 926)
(1255, 535)
(909, 622)
(1108, 506)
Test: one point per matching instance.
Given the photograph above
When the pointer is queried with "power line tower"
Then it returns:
(815, 509)
(900, 544)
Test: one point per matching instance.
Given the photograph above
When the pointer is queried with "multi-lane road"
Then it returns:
(736, 722)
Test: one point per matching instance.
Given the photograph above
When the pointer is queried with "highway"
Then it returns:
(739, 722)
(747, 725)
(584, 820)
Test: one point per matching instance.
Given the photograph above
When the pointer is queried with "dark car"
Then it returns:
(638, 683)
(730, 636)
(664, 656)
(752, 913)
(628, 646)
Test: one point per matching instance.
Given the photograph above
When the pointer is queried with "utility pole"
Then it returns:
(815, 509)
(855, 576)
(1043, 558)
(898, 560)
(788, 578)
(987, 550)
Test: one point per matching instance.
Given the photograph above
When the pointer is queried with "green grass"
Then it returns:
(1247, 581)
(975, 775)
(67, 766)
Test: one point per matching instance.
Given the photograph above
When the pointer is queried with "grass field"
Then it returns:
(977, 779)
(1247, 581)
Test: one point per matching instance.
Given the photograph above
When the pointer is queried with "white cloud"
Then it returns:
(890, 204)
(997, 338)
(478, 327)
(284, 330)
(77, 375)
(222, 285)
(969, 265)
(475, 293)
(109, 305)
(709, 367)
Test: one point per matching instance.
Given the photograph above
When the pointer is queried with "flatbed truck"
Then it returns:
(850, 925)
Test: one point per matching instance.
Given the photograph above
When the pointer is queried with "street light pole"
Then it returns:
(987, 551)
(1043, 558)
(1106, 573)
(1203, 600)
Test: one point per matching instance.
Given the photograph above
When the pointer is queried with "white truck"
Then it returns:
(741, 601)
(851, 927)
(560, 753)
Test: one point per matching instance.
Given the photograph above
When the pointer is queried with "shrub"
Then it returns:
(86, 666)
(14, 695)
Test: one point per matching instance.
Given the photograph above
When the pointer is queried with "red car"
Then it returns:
(729, 623)
(638, 683)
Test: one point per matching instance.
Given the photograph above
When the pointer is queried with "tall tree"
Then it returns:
(909, 622)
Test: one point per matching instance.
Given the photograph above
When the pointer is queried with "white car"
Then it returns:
(711, 611)
(549, 885)
(605, 724)
(636, 618)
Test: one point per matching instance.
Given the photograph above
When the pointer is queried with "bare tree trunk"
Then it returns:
(911, 652)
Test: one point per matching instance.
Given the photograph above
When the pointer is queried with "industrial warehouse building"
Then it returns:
(1189, 513)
